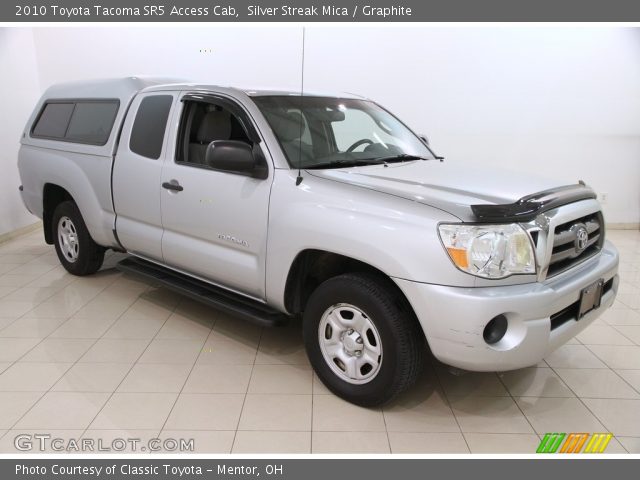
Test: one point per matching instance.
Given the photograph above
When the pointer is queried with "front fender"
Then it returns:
(397, 236)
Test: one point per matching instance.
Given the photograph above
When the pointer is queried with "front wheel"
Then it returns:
(361, 341)
(76, 250)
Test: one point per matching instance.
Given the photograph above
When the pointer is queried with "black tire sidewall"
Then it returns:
(344, 289)
(89, 253)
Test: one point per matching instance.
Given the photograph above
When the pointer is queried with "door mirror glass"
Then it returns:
(231, 156)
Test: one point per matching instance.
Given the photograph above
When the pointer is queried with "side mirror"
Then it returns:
(424, 138)
(231, 156)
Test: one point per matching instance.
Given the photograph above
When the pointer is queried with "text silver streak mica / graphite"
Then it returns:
(270, 205)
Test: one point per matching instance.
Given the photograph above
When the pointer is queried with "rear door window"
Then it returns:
(147, 134)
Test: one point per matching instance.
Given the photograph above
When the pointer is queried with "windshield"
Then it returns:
(325, 132)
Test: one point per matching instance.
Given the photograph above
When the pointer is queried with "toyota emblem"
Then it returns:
(582, 238)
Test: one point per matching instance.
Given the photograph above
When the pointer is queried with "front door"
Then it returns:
(215, 222)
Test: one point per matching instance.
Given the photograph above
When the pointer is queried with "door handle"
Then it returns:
(173, 185)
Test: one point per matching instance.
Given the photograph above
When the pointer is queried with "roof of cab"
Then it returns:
(267, 92)
(251, 92)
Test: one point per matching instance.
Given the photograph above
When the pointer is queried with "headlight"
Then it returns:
(489, 251)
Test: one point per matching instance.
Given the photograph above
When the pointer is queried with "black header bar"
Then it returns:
(67, 11)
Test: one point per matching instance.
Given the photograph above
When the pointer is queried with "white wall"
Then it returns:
(240, 56)
(19, 91)
(564, 102)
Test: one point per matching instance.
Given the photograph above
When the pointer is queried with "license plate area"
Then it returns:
(590, 298)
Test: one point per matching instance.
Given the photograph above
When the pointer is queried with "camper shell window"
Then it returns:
(79, 121)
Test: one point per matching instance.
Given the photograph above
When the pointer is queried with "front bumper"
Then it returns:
(453, 318)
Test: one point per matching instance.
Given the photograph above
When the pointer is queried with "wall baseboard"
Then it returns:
(5, 237)
(623, 226)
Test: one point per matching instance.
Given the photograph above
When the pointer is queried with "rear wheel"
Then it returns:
(76, 250)
(362, 343)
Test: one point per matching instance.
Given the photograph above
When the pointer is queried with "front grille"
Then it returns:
(565, 254)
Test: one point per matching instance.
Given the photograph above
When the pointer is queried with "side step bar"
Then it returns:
(221, 299)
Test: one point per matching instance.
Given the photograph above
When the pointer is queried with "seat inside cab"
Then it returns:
(205, 123)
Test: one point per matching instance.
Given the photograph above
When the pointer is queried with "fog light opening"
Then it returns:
(495, 330)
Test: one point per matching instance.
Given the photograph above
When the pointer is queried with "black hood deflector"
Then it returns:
(529, 207)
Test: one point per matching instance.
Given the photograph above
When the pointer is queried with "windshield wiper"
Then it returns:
(405, 157)
(361, 162)
(344, 163)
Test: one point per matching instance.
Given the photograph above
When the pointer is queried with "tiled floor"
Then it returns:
(109, 357)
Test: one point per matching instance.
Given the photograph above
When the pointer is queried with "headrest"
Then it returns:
(216, 125)
(288, 126)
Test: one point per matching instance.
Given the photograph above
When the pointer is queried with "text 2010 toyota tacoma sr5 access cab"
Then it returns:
(271, 205)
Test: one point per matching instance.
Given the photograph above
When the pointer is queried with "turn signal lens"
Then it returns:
(459, 257)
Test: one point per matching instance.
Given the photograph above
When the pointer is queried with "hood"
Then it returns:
(452, 188)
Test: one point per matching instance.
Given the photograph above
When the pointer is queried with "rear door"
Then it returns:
(137, 174)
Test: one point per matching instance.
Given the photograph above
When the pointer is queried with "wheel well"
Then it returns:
(52, 196)
(312, 267)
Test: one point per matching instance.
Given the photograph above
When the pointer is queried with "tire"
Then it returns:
(379, 316)
(76, 250)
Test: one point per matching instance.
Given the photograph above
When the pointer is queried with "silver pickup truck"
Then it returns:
(274, 206)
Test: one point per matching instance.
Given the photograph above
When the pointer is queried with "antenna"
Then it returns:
(299, 179)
